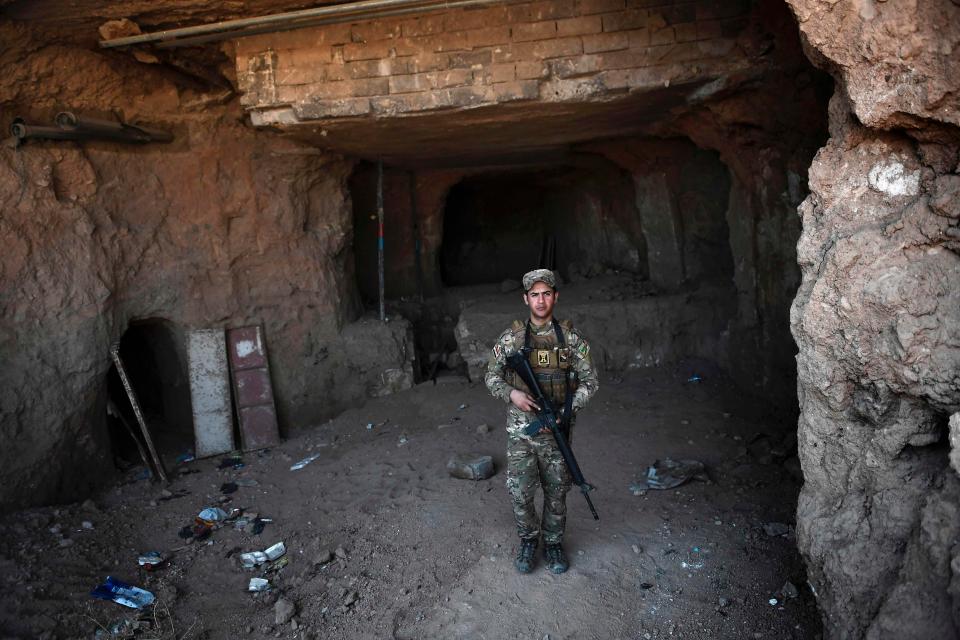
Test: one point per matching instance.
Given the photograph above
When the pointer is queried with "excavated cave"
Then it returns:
(692, 207)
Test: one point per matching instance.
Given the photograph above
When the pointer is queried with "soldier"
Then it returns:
(560, 358)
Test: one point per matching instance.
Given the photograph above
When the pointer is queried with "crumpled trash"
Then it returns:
(300, 465)
(123, 593)
(258, 584)
(211, 516)
(256, 558)
(186, 457)
(669, 474)
(151, 560)
(695, 378)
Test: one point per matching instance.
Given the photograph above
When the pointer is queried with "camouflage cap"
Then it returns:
(545, 276)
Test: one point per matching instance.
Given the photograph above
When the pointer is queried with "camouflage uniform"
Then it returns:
(536, 461)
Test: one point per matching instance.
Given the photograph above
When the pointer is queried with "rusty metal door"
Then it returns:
(252, 391)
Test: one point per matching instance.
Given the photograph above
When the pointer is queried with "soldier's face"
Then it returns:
(540, 299)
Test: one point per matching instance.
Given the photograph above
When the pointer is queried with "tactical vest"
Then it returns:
(551, 363)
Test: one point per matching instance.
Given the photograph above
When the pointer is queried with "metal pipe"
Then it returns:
(363, 9)
(339, 19)
(135, 404)
(383, 313)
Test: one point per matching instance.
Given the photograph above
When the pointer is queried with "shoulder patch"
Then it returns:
(583, 349)
(498, 351)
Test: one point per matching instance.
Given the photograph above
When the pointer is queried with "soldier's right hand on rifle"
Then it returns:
(523, 401)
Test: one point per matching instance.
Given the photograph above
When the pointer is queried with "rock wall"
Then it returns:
(877, 321)
(222, 227)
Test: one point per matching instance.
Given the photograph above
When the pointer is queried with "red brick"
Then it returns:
(475, 18)
(685, 32)
(494, 73)
(429, 61)
(422, 26)
(469, 59)
(300, 75)
(467, 96)
(377, 68)
(625, 20)
(367, 51)
(639, 38)
(376, 30)
(334, 71)
(309, 57)
(589, 7)
(662, 36)
(412, 102)
(451, 78)
(351, 88)
(409, 83)
(318, 109)
(518, 90)
(625, 59)
(537, 11)
(579, 26)
(606, 41)
(527, 31)
(530, 70)
(448, 41)
(575, 66)
(488, 36)
(557, 48)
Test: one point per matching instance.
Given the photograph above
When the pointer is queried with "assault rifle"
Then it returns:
(547, 417)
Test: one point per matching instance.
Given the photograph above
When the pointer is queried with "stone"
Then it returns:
(341, 553)
(775, 529)
(483, 429)
(283, 611)
(323, 557)
(471, 466)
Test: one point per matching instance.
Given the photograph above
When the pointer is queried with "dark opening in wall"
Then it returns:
(576, 219)
(152, 355)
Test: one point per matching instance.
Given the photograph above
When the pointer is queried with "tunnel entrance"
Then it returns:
(577, 220)
(153, 356)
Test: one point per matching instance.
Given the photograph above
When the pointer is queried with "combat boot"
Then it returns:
(556, 558)
(525, 555)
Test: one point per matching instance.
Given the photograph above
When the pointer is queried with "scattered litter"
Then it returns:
(668, 474)
(775, 529)
(228, 487)
(86, 524)
(279, 564)
(635, 548)
(403, 440)
(773, 602)
(246, 482)
(123, 593)
(258, 584)
(186, 457)
(304, 462)
(232, 462)
(211, 516)
(471, 466)
(256, 558)
(639, 488)
(694, 559)
(695, 378)
(462, 407)
(374, 425)
(151, 560)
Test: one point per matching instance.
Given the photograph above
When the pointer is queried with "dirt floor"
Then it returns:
(382, 543)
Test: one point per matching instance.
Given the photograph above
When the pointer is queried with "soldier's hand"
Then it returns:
(523, 401)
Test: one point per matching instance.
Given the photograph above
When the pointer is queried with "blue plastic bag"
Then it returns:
(123, 593)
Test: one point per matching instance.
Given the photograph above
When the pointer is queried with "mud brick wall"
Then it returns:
(552, 51)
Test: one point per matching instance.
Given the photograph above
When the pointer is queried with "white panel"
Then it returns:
(210, 392)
